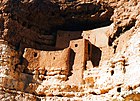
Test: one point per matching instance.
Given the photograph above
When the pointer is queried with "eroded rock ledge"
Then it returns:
(38, 21)
(69, 50)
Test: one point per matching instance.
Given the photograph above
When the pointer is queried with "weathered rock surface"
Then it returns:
(55, 50)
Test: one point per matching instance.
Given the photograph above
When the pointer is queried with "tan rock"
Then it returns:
(41, 61)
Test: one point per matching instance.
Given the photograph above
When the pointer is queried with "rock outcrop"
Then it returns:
(69, 50)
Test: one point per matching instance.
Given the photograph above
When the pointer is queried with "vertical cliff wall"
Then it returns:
(69, 50)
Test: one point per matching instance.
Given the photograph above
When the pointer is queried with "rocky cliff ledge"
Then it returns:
(69, 50)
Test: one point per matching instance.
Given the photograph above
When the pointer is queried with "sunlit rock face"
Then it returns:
(69, 50)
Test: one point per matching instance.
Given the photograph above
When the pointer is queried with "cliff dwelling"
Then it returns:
(69, 50)
(70, 61)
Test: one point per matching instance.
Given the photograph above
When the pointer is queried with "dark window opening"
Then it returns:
(76, 45)
(35, 54)
(95, 55)
(119, 89)
(89, 51)
(54, 58)
(71, 62)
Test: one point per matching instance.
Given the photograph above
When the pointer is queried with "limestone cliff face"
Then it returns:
(69, 50)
